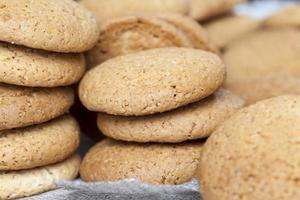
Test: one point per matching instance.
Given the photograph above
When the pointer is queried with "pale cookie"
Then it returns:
(289, 16)
(39, 145)
(253, 90)
(36, 68)
(205, 9)
(132, 34)
(109, 9)
(17, 184)
(53, 25)
(151, 81)
(223, 31)
(191, 122)
(263, 52)
(254, 154)
(20, 106)
(153, 163)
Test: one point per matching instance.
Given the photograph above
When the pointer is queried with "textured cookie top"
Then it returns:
(151, 81)
(109, 9)
(22, 106)
(231, 27)
(204, 9)
(132, 34)
(17, 184)
(53, 25)
(193, 121)
(255, 154)
(289, 16)
(38, 145)
(153, 163)
(263, 52)
(36, 68)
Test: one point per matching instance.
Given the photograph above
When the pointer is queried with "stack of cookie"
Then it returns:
(37, 141)
(148, 100)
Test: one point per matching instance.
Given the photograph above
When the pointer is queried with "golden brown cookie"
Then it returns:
(153, 163)
(254, 154)
(36, 68)
(21, 106)
(151, 81)
(109, 9)
(132, 34)
(39, 145)
(23, 183)
(193, 121)
(205, 9)
(289, 16)
(53, 25)
(223, 31)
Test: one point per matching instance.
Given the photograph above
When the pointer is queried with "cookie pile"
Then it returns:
(163, 96)
(40, 57)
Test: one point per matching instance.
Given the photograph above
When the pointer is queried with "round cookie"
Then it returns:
(36, 68)
(204, 9)
(39, 145)
(151, 81)
(53, 25)
(253, 90)
(21, 106)
(289, 16)
(17, 184)
(193, 121)
(132, 34)
(263, 52)
(231, 27)
(153, 163)
(109, 9)
(254, 154)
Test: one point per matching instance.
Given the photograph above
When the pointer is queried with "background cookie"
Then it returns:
(109, 9)
(151, 81)
(53, 25)
(16, 184)
(132, 34)
(39, 145)
(193, 121)
(254, 154)
(22, 106)
(153, 163)
(289, 16)
(37, 68)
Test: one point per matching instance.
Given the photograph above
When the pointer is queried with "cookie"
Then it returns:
(39, 145)
(205, 9)
(132, 34)
(20, 106)
(254, 154)
(53, 25)
(23, 183)
(36, 68)
(271, 85)
(232, 27)
(289, 16)
(151, 81)
(263, 52)
(109, 9)
(153, 163)
(193, 121)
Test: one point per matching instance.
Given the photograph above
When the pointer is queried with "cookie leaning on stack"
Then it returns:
(35, 139)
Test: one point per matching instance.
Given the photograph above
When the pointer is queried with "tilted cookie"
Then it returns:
(23, 183)
(254, 154)
(193, 121)
(153, 163)
(151, 81)
(53, 25)
(289, 16)
(20, 106)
